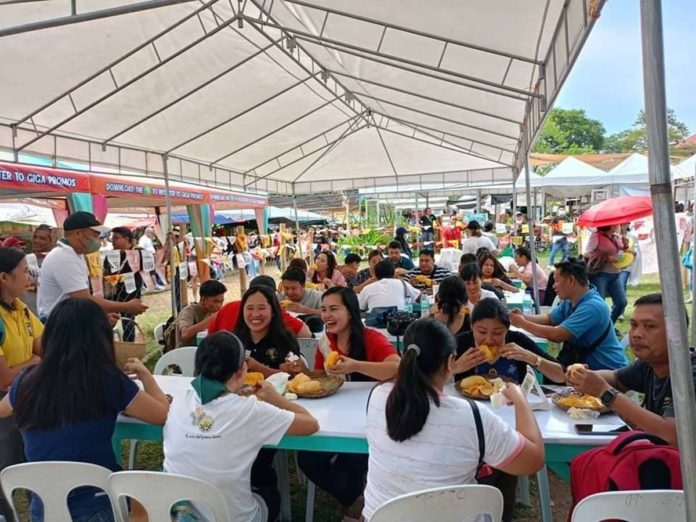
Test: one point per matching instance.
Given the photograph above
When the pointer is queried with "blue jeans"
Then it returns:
(562, 245)
(612, 284)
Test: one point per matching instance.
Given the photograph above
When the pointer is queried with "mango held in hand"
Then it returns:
(332, 359)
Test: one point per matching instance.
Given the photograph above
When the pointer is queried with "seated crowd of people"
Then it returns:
(62, 390)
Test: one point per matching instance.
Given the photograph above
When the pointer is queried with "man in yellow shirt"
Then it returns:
(20, 346)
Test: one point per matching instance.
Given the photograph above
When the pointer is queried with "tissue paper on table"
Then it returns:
(279, 381)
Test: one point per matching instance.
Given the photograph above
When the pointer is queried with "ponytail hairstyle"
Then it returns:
(451, 297)
(429, 345)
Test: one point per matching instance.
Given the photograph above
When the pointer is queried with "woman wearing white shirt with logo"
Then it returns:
(214, 434)
(411, 421)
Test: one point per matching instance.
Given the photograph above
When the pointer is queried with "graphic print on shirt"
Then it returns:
(201, 420)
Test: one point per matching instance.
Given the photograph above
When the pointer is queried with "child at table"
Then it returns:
(228, 429)
(365, 355)
(411, 420)
(66, 406)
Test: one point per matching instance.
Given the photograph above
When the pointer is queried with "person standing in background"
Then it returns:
(122, 238)
(42, 242)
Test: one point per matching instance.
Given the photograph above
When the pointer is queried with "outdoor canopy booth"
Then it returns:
(309, 96)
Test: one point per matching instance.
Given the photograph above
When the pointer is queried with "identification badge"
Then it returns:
(129, 282)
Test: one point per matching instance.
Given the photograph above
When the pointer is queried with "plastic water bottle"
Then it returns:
(408, 304)
(425, 306)
(527, 303)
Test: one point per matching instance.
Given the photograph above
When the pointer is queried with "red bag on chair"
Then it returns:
(634, 460)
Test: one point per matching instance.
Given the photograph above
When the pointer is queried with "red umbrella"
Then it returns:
(615, 211)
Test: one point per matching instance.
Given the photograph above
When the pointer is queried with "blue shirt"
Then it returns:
(586, 322)
(404, 262)
(87, 441)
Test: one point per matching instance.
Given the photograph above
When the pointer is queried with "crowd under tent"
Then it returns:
(311, 96)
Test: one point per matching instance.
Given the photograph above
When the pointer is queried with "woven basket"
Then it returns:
(125, 350)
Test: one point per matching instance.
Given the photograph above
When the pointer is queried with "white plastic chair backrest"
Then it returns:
(158, 492)
(308, 349)
(52, 481)
(654, 505)
(159, 333)
(184, 357)
(444, 504)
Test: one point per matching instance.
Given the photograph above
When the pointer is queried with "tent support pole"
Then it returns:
(514, 207)
(170, 234)
(530, 222)
(693, 271)
(297, 222)
(667, 248)
(478, 201)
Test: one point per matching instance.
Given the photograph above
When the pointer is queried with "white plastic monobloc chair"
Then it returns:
(52, 481)
(184, 358)
(158, 492)
(444, 504)
(635, 506)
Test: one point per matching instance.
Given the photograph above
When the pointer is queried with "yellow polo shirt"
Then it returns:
(21, 328)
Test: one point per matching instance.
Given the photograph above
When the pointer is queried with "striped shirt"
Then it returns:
(437, 275)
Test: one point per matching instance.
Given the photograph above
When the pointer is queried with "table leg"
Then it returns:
(281, 465)
(544, 495)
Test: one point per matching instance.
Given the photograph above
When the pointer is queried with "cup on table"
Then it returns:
(200, 336)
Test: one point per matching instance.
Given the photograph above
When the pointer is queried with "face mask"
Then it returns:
(93, 244)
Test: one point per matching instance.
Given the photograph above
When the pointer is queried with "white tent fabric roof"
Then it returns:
(686, 169)
(287, 96)
(633, 170)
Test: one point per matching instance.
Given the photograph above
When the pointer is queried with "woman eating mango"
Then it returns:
(362, 354)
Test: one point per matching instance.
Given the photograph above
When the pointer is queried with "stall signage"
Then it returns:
(237, 198)
(24, 177)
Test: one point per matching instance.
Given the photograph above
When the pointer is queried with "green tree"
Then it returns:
(635, 139)
(570, 131)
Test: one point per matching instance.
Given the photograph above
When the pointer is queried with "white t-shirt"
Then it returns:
(386, 292)
(62, 272)
(223, 454)
(471, 244)
(484, 293)
(146, 243)
(444, 453)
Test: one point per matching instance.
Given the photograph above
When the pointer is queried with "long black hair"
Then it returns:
(68, 385)
(356, 339)
(331, 265)
(220, 356)
(279, 334)
(498, 269)
(451, 297)
(429, 345)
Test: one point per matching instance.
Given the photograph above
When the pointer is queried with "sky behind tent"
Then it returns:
(607, 79)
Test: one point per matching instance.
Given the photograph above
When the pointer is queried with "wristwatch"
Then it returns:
(608, 397)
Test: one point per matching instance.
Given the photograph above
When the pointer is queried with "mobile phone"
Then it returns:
(598, 429)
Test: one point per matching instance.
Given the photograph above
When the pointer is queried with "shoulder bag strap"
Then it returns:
(405, 289)
(601, 338)
(479, 432)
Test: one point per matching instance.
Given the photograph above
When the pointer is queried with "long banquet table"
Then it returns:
(342, 425)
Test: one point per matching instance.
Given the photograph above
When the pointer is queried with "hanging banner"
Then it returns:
(37, 179)
(126, 187)
(249, 200)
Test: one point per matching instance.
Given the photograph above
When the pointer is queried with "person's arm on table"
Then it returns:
(188, 333)
(303, 424)
(380, 371)
(541, 326)
(151, 404)
(535, 358)
(596, 383)
(531, 458)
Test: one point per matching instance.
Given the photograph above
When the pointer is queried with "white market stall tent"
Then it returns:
(287, 96)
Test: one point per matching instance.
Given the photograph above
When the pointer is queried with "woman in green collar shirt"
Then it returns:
(214, 433)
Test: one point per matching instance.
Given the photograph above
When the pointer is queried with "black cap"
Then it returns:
(80, 220)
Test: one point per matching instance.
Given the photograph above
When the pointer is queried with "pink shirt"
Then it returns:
(542, 278)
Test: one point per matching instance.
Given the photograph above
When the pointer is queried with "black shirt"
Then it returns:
(639, 376)
(266, 352)
(426, 221)
(515, 370)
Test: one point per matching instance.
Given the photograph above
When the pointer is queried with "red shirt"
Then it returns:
(377, 348)
(450, 233)
(228, 315)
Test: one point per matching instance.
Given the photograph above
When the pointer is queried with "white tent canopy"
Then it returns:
(286, 96)
(686, 169)
(572, 177)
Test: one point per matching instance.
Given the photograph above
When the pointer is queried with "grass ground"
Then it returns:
(325, 508)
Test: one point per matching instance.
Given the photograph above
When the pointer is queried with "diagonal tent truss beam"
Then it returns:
(118, 88)
(323, 134)
(386, 26)
(388, 59)
(75, 18)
